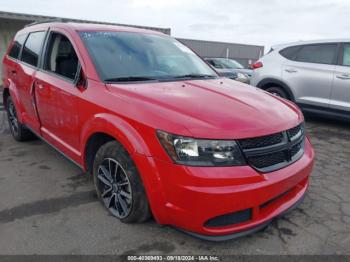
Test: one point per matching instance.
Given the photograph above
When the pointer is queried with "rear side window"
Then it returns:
(17, 45)
(346, 55)
(320, 54)
(32, 48)
(289, 52)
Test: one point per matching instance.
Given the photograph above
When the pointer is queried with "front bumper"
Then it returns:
(245, 232)
(188, 197)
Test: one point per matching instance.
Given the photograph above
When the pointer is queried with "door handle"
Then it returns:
(343, 76)
(289, 70)
(13, 72)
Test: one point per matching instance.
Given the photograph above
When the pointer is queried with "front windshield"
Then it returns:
(127, 56)
(230, 64)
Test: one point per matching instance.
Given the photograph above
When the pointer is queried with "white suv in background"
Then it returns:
(314, 74)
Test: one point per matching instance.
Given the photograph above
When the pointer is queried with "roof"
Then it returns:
(37, 18)
(320, 41)
(87, 27)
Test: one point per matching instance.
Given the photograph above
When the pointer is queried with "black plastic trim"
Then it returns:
(285, 147)
(245, 232)
(230, 219)
(327, 112)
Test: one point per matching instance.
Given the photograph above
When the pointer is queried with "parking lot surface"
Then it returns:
(48, 206)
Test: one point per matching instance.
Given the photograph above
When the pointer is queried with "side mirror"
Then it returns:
(80, 81)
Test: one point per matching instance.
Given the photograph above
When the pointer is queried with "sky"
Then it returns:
(258, 22)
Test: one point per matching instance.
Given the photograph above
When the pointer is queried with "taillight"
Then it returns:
(257, 65)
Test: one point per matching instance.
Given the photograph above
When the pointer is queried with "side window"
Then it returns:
(320, 54)
(17, 45)
(60, 57)
(289, 52)
(210, 62)
(216, 64)
(32, 48)
(346, 55)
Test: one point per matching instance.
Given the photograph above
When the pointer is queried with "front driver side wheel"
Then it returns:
(118, 184)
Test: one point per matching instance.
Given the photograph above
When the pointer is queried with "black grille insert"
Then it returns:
(267, 160)
(261, 141)
(267, 203)
(272, 152)
(230, 219)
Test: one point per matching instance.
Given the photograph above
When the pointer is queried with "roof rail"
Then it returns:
(62, 20)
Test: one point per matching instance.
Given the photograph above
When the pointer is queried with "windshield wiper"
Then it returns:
(129, 79)
(195, 76)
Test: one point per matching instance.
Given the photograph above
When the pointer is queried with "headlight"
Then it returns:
(201, 152)
(241, 75)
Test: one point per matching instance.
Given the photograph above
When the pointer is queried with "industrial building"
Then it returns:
(10, 23)
(244, 54)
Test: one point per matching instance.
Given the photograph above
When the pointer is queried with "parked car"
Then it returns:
(314, 74)
(160, 132)
(226, 65)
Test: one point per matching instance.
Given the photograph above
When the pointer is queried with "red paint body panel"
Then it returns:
(67, 116)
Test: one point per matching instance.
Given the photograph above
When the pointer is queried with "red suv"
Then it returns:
(157, 128)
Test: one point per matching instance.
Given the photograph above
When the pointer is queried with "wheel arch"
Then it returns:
(103, 128)
(9, 89)
(269, 82)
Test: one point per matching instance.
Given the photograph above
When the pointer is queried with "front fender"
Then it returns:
(132, 141)
(116, 127)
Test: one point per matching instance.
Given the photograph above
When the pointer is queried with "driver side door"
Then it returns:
(57, 95)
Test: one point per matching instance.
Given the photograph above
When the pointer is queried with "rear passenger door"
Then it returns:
(309, 72)
(25, 74)
(340, 98)
(10, 69)
(57, 95)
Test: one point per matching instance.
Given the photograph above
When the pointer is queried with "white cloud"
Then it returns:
(253, 22)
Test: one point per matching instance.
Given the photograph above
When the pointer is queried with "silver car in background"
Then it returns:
(314, 74)
(226, 66)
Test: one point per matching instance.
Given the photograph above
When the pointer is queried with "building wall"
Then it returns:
(244, 54)
(8, 29)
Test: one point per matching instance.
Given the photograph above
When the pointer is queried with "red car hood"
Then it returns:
(218, 108)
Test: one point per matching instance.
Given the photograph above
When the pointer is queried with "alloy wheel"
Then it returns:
(13, 120)
(114, 187)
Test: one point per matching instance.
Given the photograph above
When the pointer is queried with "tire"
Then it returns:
(18, 130)
(122, 193)
(277, 91)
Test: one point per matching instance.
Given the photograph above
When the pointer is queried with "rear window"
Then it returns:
(32, 48)
(17, 45)
(319, 54)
